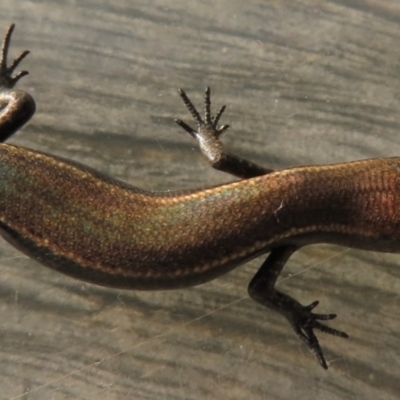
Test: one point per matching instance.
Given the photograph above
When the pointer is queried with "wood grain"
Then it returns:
(305, 82)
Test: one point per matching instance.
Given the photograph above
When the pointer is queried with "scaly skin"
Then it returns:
(116, 235)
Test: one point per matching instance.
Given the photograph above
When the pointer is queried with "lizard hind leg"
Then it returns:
(208, 137)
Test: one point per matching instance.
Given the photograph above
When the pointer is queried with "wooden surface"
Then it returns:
(305, 82)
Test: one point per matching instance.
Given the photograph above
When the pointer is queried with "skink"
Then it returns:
(92, 227)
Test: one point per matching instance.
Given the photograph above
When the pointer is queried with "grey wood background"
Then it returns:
(305, 81)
